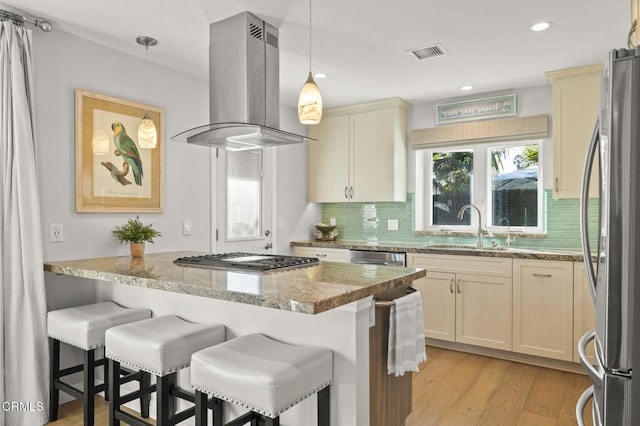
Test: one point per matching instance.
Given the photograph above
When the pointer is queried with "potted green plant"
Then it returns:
(136, 234)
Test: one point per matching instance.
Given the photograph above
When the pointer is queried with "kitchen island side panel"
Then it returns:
(345, 330)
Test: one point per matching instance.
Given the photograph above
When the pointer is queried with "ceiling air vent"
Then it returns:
(427, 52)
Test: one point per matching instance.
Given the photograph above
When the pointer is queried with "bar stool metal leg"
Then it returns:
(202, 402)
(145, 400)
(166, 402)
(114, 391)
(324, 406)
(89, 386)
(54, 374)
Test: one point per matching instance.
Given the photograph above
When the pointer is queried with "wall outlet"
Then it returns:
(186, 227)
(56, 233)
(280, 224)
(392, 224)
(332, 221)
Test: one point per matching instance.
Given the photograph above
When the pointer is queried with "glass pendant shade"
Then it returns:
(100, 142)
(310, 103)
(147, 133)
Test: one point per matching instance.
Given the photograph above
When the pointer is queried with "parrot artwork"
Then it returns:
(126, 147)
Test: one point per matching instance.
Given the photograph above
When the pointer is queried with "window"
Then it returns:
(451, 186)
(244, 194)
(515, 186)
(502, 180)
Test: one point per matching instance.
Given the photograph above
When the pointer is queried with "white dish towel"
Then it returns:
(406, 335)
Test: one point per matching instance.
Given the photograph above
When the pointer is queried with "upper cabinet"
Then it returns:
(360, 153)
(576, 93)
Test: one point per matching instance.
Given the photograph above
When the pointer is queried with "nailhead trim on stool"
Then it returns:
(266, 376)
(84, 327)
(160, 346)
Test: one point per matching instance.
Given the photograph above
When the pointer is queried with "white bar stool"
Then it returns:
(161, 346)
(84, 327)
(261, 374)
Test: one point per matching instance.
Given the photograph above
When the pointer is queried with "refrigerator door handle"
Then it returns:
(584, 210)
(582, 403)
(594, 374)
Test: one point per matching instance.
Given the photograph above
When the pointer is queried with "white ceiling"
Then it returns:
(362, 44)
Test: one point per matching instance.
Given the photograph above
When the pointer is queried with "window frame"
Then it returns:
(481, 188)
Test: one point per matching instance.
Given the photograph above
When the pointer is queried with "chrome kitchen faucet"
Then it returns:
(480, 230)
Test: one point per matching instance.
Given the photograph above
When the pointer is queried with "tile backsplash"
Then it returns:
(368, 221)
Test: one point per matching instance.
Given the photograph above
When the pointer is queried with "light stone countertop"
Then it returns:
(307, 289)
(448, 249)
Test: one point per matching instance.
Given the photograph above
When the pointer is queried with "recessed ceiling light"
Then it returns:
(467, 87)
(321, 75)
(540, 26)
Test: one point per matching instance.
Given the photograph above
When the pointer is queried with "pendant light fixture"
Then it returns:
(147, 133)
(310, 100)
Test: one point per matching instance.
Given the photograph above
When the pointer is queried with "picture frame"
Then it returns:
(112, 180)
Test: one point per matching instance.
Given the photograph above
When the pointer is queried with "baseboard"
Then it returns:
(555, 364)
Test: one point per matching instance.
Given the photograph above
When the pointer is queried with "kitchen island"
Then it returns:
(329, 305)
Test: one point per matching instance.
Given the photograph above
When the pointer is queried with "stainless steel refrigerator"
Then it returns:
(614, 280)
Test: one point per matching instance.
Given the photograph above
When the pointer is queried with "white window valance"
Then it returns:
(497, 130)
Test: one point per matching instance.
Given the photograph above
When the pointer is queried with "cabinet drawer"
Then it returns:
(324, 254)
(475, 265)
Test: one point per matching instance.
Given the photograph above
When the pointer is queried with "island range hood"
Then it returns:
(244, 88)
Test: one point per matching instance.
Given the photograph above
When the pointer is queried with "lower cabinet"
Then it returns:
(324, 254)
(584, 312)
(472, 307)
(543, 308)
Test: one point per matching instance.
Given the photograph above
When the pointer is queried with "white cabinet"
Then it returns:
(543, 308)
(584, 312)
(576, 93)
(360, 153)
(324, 254)
(466, 299)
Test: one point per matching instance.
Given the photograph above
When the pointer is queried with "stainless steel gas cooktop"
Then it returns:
(245, 261)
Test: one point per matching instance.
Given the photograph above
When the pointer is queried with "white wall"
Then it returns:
(295, 213)
(530, 101)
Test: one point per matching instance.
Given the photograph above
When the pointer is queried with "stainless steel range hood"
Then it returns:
(243, 87)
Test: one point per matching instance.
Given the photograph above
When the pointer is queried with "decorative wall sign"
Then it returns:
(113, 173)
(499, 106)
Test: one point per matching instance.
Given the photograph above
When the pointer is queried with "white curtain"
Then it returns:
(23, 346)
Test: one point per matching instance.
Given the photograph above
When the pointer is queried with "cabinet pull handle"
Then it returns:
(458, 286)
(555, 185)
(541, 275)
(346, 196)
(351, 192)
(632, 30)
(321, 255)
(451, 285)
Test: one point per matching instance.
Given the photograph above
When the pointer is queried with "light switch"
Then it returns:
(186, 227)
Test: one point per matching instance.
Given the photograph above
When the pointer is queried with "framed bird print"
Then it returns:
(119, 169)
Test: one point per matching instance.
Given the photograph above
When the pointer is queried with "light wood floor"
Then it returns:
(455, 388)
